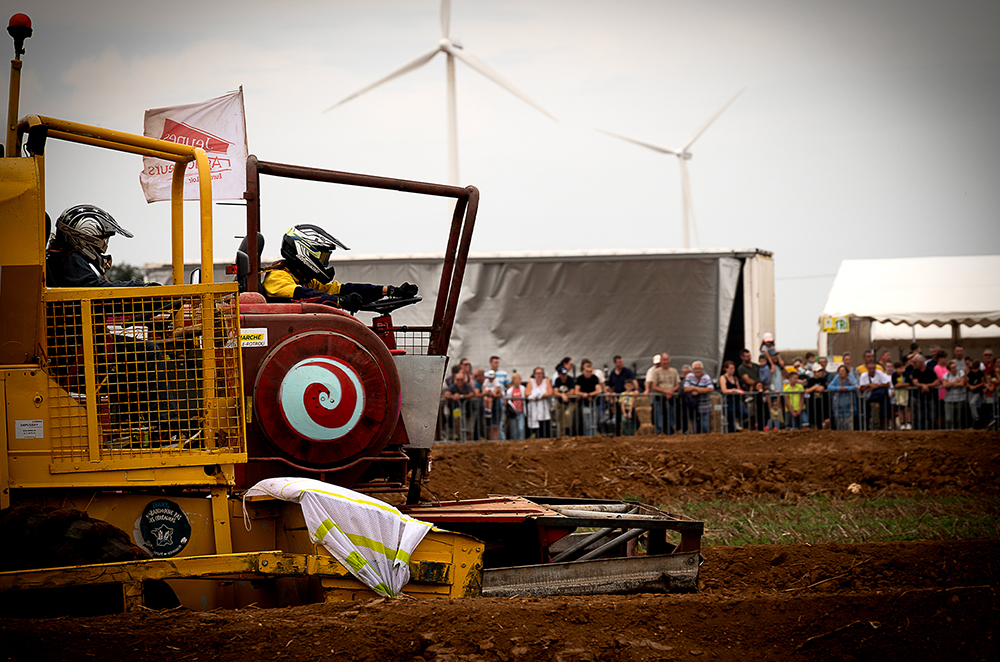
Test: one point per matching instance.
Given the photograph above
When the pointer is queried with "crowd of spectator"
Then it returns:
(922, 390)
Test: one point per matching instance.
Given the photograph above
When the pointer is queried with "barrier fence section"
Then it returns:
(625, 414)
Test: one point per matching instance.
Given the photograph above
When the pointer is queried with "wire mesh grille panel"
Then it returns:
(414, 341)
(143, 376)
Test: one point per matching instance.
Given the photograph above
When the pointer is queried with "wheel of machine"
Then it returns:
(45, 537)
(325, 397)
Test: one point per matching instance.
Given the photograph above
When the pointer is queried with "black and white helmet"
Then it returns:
(307, 248)
(87, 229)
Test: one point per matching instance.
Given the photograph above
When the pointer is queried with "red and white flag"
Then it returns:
(219, 127)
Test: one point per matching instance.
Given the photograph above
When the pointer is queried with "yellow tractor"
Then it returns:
(98, 487)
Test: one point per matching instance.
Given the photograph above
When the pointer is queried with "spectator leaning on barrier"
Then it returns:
(729, 385)
(974, 384)
(817, 398)
(588, 389)
(923, 396)
(459, 394)
(664, 384)
(991, 384)
(794, 401)
(515, 407)
(566, 363)
(955, 396)
(843, 387)
(901, 396)
(503, 380)
(699, 385)
(564, 386)
(628, 407)
(539, 390)
(492, 404)
(875, 385)
(649, 373)
(617, 380)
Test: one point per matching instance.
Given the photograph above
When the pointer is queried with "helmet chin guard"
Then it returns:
(307, 248)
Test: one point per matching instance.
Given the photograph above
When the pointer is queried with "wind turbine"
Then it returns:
(682, 154)
(452, 50)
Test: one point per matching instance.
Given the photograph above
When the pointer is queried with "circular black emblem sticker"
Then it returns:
(164, 527)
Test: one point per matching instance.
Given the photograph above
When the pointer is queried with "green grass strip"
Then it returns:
(845, 520)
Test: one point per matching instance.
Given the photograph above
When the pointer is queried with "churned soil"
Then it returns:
(871, 601)
(660, 469)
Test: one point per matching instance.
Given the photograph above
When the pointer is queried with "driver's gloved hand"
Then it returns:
(352, 302)
(404, 291)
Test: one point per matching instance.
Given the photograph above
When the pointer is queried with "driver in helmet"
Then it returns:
(305, 274)
(77, 253)
(136, 369)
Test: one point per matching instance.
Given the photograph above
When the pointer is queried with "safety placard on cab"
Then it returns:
(29, 429)
(253, 337)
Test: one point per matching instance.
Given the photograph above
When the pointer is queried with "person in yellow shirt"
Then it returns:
(793, 401)
(306, 275)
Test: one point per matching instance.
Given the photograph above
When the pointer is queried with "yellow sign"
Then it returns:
(836, 325)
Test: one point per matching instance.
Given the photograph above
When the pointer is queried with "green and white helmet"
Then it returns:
(87, 229)
(307, 248)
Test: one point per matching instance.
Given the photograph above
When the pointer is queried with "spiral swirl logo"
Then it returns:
(322, 398)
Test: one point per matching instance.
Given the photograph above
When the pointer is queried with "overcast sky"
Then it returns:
(867, 129)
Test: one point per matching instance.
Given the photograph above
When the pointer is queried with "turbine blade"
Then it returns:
(445, 17)
(655, 148)
(481, 67)
(697, 134)
(416, 63)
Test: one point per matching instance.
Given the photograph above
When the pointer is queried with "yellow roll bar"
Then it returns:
(181, 155)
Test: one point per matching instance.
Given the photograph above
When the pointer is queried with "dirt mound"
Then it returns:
(657, 469)
(898, 601)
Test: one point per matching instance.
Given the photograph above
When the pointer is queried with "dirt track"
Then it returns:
(657, 470)
(911, 601)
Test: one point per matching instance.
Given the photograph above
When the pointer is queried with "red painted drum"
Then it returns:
(327, 397)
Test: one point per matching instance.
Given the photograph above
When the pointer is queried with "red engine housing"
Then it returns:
(325, 391)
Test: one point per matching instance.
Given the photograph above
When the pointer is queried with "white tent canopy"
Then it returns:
(919, 290)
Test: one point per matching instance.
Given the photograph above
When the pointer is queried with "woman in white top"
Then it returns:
(538, 391)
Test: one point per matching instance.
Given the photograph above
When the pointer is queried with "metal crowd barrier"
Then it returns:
(497, 419)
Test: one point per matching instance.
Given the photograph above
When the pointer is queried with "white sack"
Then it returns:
(369, 537)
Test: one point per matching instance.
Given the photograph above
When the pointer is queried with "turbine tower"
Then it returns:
(682, 154)
(452, 50)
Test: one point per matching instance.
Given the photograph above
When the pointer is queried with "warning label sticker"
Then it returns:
(29, 429)
(253, 337)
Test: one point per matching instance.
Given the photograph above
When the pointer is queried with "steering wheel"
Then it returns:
(147, 316)
(388, 305)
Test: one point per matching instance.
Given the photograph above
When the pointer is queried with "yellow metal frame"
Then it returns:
(27, 463)
(451, 567)
(181, 155)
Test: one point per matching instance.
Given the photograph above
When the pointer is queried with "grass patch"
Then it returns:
(846, 520)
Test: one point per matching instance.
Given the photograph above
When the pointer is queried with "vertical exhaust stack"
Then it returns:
(20, 29)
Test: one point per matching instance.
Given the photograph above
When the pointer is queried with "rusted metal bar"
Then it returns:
(448, 320)
(355, 179)
(447, 271)
(252, 196)
(459, 239)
